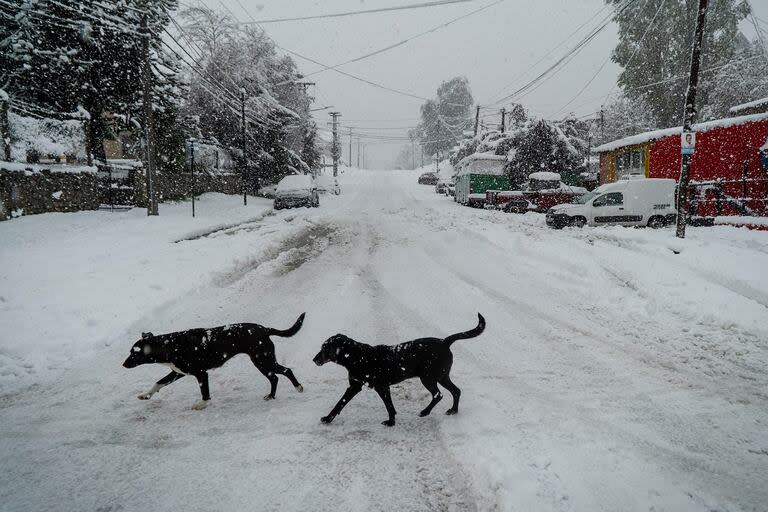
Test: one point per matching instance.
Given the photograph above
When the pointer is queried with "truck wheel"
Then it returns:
(578, 222)
(656, 222)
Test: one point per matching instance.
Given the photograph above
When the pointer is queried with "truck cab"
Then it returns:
(642, 202)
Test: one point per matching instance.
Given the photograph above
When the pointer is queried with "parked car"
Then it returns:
(428, 178)
(543, 191)
(510, 201)
(267, 191)
(442, 186)
(641, 202)
(451, 190)
(327, 185)
(296, 190)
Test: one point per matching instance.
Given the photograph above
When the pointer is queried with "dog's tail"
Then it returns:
(473, 333)
(287, 333)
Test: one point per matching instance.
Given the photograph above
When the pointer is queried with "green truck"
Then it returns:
(477, 173)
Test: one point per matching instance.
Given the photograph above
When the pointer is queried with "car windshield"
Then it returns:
(294, 182)
(582, 199)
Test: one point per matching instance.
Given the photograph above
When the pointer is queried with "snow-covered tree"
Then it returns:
(83, 59)
(744, 79)
(655, 39)
(623, 117)
(243, 62)
(444, 119)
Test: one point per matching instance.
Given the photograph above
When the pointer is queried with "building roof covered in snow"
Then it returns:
(482, 163)
(761, 104)
(642, 138)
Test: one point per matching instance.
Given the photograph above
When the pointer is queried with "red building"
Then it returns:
(729, 170)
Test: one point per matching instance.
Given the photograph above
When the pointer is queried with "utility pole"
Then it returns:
(5, 131)
(335, 150)
(192, 166)
(422, 154)
(602, 123)
(149, 130)
(350, 147)
(358, 152)
(688, 120)
(477, 119)
(503, 120)
(242, 148)
(413, 152)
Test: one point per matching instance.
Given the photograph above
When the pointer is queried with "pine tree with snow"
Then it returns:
(655, 39)
(444, 119)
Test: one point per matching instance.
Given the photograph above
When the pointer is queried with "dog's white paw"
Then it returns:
(300, 388)
(200, 405)
(145, 396)
(268, 397)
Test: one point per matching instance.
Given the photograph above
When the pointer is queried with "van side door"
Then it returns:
(609, 209)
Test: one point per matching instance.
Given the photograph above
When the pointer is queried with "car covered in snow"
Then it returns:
(441, 187)
(327, 185)
(267, 191)
(546, 189)
(543, 191)
(296, 190)
(641, 202)
(428, 178)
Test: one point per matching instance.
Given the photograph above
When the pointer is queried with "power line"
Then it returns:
(409, 39)
(344, 73)
(551, 51)
(559, 64)
(631, 57)
(354, 13)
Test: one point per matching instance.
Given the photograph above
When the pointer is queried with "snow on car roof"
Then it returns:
(642, 138)
(295, 182)
(544, 176)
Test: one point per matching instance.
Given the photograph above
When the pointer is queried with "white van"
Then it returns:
(644, 202)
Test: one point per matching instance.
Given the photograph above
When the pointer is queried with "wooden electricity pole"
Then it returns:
(149, 130)
(503, 120)
(192, 168)
(242, 148)
(335, 149)
(477, 119)
(350, 147)
(688, 120)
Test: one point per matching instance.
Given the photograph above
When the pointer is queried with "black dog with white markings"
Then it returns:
(195, 351)
(379, 367)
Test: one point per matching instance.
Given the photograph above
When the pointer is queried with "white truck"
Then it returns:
(642, 202)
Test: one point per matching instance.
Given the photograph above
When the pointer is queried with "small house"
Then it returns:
(729, 168)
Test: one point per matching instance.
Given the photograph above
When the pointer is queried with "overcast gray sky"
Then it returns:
(493, 48)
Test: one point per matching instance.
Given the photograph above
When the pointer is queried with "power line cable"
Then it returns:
(407, 40)
(353, 13)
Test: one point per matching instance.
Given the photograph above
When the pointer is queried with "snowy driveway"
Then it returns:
(614, 373)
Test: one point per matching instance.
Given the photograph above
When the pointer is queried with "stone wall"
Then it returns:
(174, 187)
(39, 191)
(31, 191)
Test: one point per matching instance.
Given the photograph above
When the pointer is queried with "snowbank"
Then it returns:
(71, 282)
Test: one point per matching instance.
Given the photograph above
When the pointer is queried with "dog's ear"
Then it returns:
(146, 335)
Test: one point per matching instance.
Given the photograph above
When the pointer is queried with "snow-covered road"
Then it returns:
(620, 370)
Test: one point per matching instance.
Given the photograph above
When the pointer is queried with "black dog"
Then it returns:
(196, 351)
(381, 366)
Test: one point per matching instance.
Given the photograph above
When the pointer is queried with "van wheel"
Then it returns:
(656, 222)
(578, 222)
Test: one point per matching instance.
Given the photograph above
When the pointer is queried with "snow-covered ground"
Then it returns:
(621, 369)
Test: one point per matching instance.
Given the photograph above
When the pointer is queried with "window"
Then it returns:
(610, 199)
(630, 163)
